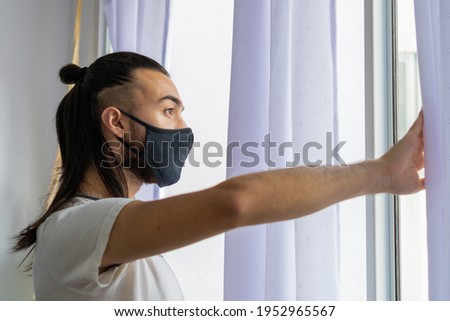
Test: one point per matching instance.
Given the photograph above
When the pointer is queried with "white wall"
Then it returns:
(36, 40)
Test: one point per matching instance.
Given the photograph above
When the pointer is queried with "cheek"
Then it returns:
(161, 120)
(138, 133)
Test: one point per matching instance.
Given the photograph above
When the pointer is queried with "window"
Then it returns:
(413, 237)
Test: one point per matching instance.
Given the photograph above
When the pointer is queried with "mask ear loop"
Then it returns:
(151, 127)
(122, 139)
(137, 120)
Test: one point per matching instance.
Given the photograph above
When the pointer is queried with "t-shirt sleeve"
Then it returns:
(74, 240)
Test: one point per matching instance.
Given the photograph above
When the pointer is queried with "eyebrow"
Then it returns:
(174, 99)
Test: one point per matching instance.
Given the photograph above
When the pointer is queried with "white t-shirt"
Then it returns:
(69, 249)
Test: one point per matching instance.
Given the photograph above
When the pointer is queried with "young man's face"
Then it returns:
(157, 101)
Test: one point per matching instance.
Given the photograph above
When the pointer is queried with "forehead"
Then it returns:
(154, 85)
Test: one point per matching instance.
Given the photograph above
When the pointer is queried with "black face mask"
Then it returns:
(165, 150)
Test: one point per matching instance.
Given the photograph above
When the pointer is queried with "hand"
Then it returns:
(404, 160)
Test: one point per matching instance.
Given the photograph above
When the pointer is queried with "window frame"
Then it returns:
(382, 211)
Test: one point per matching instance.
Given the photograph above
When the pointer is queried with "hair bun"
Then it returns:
(71, 74)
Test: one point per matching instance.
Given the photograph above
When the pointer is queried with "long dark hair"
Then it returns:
(79, 132)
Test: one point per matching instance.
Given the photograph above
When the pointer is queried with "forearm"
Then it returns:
(295, 192)
(264, 197)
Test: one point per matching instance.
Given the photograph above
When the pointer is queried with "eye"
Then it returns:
(169, 111)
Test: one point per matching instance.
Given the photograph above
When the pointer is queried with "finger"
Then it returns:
(417, 127)
(420, 158)
(421, 163)
(422, 184)
(421, 117)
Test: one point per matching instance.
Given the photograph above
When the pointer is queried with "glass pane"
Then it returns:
(413, 238)
(351, 113)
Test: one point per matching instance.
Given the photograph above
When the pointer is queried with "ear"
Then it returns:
(112, 120)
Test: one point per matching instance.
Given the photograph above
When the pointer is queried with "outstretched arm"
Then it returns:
(144, 229)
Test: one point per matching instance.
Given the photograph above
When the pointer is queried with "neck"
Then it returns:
(93, 185)
(133, 183)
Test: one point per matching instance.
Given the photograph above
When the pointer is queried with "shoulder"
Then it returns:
(80, 205)
(80, 212)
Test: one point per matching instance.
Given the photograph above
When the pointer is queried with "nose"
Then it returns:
(182, 123)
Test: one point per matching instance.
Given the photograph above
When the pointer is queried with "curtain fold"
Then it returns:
(244, 277)
(433, 46)
(283, 91)
(140, 26)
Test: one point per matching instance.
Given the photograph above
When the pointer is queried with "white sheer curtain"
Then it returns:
(283, 82)
(433, 45)
(140, 26)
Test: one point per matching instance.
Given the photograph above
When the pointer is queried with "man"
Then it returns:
(121, 126)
